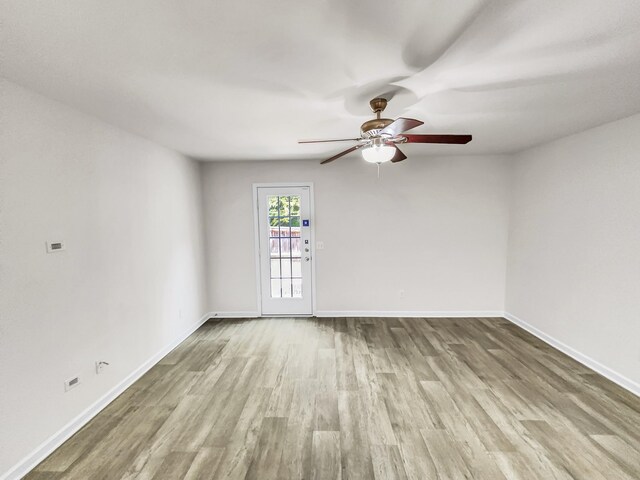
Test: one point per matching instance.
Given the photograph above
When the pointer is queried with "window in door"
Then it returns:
(285, 246)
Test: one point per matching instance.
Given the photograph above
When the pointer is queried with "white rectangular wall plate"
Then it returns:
(55, 246)
(100, 364)
(72, 382)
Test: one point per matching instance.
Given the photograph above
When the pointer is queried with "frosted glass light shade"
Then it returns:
(378, 153)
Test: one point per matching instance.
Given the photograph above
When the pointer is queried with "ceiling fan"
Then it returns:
(379, 138)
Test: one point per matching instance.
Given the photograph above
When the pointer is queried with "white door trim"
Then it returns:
(256, 242)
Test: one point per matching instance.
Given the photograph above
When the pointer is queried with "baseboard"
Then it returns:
(47, 447)
(603, 370)
(411, 313)
(238, 314)
(374, 313)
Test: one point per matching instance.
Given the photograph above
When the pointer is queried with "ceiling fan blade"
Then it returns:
(349, 150)
(399, 156)
(437, 138)
(401, 125)
(334, 140)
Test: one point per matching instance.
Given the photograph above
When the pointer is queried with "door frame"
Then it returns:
(256, 247)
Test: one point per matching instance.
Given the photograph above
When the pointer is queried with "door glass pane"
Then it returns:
(296, 268)
(275, 268)
(294, 206)
(275, 288)
(286, 288)
(284, 206)
(274, 247)
(295, 247)
(285, 246)
(297, 287)
(273, 206)
(285, 268)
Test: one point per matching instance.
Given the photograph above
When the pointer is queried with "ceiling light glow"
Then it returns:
(378, 153)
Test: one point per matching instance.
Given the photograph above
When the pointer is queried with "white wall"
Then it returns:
(130, 282)
(574, 245)
(435, 227)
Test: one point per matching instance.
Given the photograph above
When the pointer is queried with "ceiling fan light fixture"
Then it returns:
(379, 136)
(378, 153)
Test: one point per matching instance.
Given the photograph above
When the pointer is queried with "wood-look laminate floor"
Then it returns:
(360, 399)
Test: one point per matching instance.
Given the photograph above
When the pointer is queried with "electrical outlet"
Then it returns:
(70, 383)
(319, 245)
(53, 247)
(401, 293)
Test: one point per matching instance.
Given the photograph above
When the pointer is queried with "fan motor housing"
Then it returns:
(372, 128)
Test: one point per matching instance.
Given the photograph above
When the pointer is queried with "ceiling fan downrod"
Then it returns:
(378, 105)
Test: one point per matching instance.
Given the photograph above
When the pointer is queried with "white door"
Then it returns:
(284, 229)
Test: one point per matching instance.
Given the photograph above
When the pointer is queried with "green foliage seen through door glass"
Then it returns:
(284, 206)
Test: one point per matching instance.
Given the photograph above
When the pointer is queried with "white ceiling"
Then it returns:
(234, 79)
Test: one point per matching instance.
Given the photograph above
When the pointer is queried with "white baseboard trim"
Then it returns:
(371, 313)
(240, 314)
(48, 446)
(594, 365)
(417, 314)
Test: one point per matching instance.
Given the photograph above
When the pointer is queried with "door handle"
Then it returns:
(306, 259)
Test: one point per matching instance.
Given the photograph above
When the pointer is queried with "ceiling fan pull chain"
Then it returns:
(378, 171)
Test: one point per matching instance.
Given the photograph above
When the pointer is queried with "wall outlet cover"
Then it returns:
(72, 382)
(55, 246)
